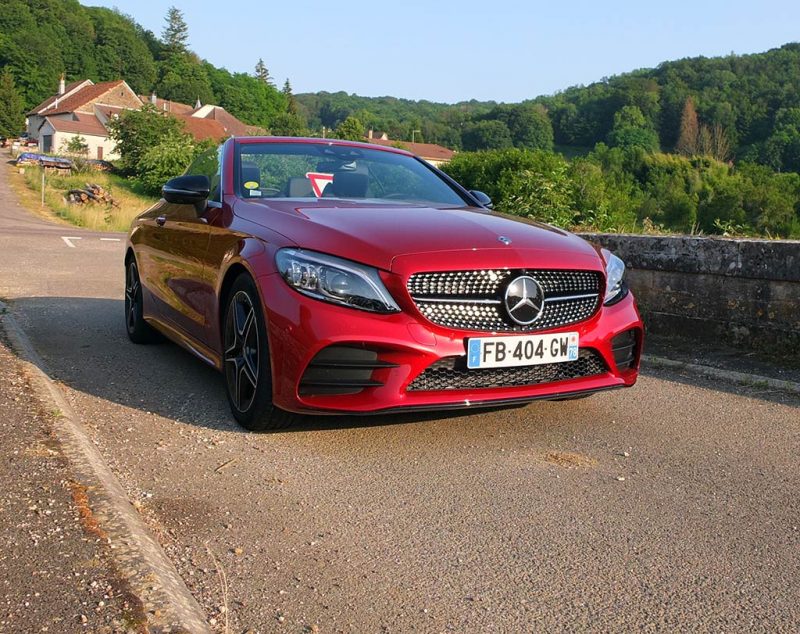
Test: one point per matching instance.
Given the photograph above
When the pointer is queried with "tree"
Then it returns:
(486, 135)
(175, 36)
(543, 193)
(720, 146)
(76, 146)
(136, 131)
(262, 74)
(351, 129)
(121, 51)
(12, 111)
(705, 142)
(184, 80)
(528, 125)
(782, 148)
(165, 160)
(291, 102)
(689, 130)
(632, 130)
(288, 124)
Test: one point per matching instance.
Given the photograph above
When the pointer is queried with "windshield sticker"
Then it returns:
(251, 185)
(319, 180)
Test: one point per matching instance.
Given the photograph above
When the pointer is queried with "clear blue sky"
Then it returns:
(451, 51)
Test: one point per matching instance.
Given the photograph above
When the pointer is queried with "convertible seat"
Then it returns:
(300, 187)
(348, 185)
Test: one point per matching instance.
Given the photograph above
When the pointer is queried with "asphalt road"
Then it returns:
(670, 506)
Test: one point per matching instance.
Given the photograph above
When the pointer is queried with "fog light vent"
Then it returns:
(342, 370)
(624, 346)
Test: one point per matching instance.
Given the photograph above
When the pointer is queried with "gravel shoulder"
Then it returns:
(55, 571)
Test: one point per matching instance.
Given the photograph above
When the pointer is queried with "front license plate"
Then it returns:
(505, 352)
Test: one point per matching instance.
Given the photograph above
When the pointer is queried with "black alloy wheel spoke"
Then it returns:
(131, 294)
(241, 351)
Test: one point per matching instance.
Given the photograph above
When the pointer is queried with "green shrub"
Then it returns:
(164, 161)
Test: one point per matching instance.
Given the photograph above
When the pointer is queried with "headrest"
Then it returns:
(349, 185)
(300, 187)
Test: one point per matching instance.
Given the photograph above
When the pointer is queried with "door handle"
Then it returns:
(161, 221)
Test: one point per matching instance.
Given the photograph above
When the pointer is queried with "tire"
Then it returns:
(246, 361)
(139, 331)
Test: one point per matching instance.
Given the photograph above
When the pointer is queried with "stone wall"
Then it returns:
(743, 291)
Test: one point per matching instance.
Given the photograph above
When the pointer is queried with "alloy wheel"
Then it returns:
(242, 357)
(132, 295)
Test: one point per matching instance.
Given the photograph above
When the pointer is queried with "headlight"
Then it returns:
(616, 288)
(335, 280)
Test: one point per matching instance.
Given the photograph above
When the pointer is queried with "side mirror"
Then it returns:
(186, 190)
(482, 198)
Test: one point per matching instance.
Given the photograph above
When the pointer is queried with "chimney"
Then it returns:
(369, 134)
(62, 87)
(154, 99)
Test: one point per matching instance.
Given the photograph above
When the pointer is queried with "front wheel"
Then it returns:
(139, 331)
(248, 376)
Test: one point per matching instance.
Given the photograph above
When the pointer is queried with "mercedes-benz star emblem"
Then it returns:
(524, 300)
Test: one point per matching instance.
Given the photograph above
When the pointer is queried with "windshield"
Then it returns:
(322, 170)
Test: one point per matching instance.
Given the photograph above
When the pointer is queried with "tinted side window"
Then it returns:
(209, 164)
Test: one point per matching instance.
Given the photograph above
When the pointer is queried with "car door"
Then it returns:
(178, 243)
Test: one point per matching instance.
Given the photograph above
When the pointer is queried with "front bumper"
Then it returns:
(406, 344)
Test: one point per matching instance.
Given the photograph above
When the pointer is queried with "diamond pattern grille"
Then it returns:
(473, 300)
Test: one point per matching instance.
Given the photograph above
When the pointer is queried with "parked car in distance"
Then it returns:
(328, 277)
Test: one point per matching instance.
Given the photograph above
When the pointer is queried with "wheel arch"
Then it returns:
(234, 270)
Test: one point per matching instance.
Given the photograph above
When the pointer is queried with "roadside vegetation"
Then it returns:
(632, 190)
(97, 216)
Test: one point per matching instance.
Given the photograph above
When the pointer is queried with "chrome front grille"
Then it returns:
(474, 300)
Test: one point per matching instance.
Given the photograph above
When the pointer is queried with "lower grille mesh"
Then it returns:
(452, 373)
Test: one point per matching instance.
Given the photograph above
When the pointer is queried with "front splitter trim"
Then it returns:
(465, 405)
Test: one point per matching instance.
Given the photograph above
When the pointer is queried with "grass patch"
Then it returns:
(94, 216)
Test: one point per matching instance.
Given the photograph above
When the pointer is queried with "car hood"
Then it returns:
(390, 237)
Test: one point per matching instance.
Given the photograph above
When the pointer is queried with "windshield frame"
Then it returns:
(240, 145)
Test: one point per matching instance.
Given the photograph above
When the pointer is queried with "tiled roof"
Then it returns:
(423, 150)
(70, 103)
(109, 111)
(202, 129)
(81, 124)
(69, 88)
(230, 124)
(172, 107)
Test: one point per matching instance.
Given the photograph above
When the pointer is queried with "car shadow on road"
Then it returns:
(83, 344)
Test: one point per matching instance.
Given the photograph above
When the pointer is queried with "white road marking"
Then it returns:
(68, 240)
(112, 239)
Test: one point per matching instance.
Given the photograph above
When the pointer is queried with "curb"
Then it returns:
(168, 604)
(724, 375)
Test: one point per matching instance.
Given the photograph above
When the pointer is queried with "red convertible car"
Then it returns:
(334, 277)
